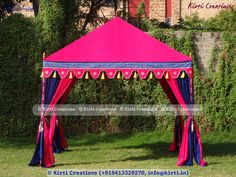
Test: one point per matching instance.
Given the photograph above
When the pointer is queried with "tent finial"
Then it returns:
(44, 55)
(190, 54)
(42, 75)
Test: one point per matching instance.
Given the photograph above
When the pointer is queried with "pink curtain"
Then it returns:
(191, 146)
(179, 123)
(175, 89)
(65, 85)
(60, 97)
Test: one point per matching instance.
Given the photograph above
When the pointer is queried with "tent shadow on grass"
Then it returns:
(16, 142)
(159, 150)
(92, 139)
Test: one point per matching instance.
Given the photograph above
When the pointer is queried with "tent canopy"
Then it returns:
(117, 46)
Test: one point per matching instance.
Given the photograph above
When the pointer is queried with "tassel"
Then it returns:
(182, 76)
(167, 75)
(71, 75)
(44, 55)
(54, 74)
(42, 75)
(192, 126)
(118, 75)
(86, 75)
(135, 75)
(103, 76)
(151, 75)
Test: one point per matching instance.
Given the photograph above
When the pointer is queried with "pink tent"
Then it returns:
(113, 50)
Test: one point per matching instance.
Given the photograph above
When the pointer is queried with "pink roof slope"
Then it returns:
(117, 41)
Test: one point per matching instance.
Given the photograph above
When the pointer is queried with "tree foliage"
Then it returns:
(24, 40)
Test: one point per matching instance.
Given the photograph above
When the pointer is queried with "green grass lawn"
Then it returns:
(140, 151)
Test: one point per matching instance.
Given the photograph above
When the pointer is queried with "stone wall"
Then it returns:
(204, 44)
(25, 8)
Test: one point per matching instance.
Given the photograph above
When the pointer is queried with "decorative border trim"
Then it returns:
(111, 72)
(114, 65)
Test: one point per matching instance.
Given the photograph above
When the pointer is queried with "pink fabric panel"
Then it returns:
(63, 85)
(48, 158)
(183, 153)
(173, 145)
(169, 93)
(67, 92)
(52, 128)
(62, 92)
(165, 86)
(117, 41)
(53, 120)
(175, 88)
(64, 143)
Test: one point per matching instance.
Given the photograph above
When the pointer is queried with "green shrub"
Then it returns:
(20, 84)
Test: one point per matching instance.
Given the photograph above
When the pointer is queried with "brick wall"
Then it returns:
(175, 11)
(183, 8)
(157, 10)
(205, 9)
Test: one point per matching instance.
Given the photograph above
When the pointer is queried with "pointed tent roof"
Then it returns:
(117, 41)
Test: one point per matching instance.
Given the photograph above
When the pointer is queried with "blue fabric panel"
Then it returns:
(57, 141)
(189, 161)
(184, 86)
(197, 155)
(41, 138)
(51, 87)
(38, 153)
(180, 133)
(117, 65)
(46, 88)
